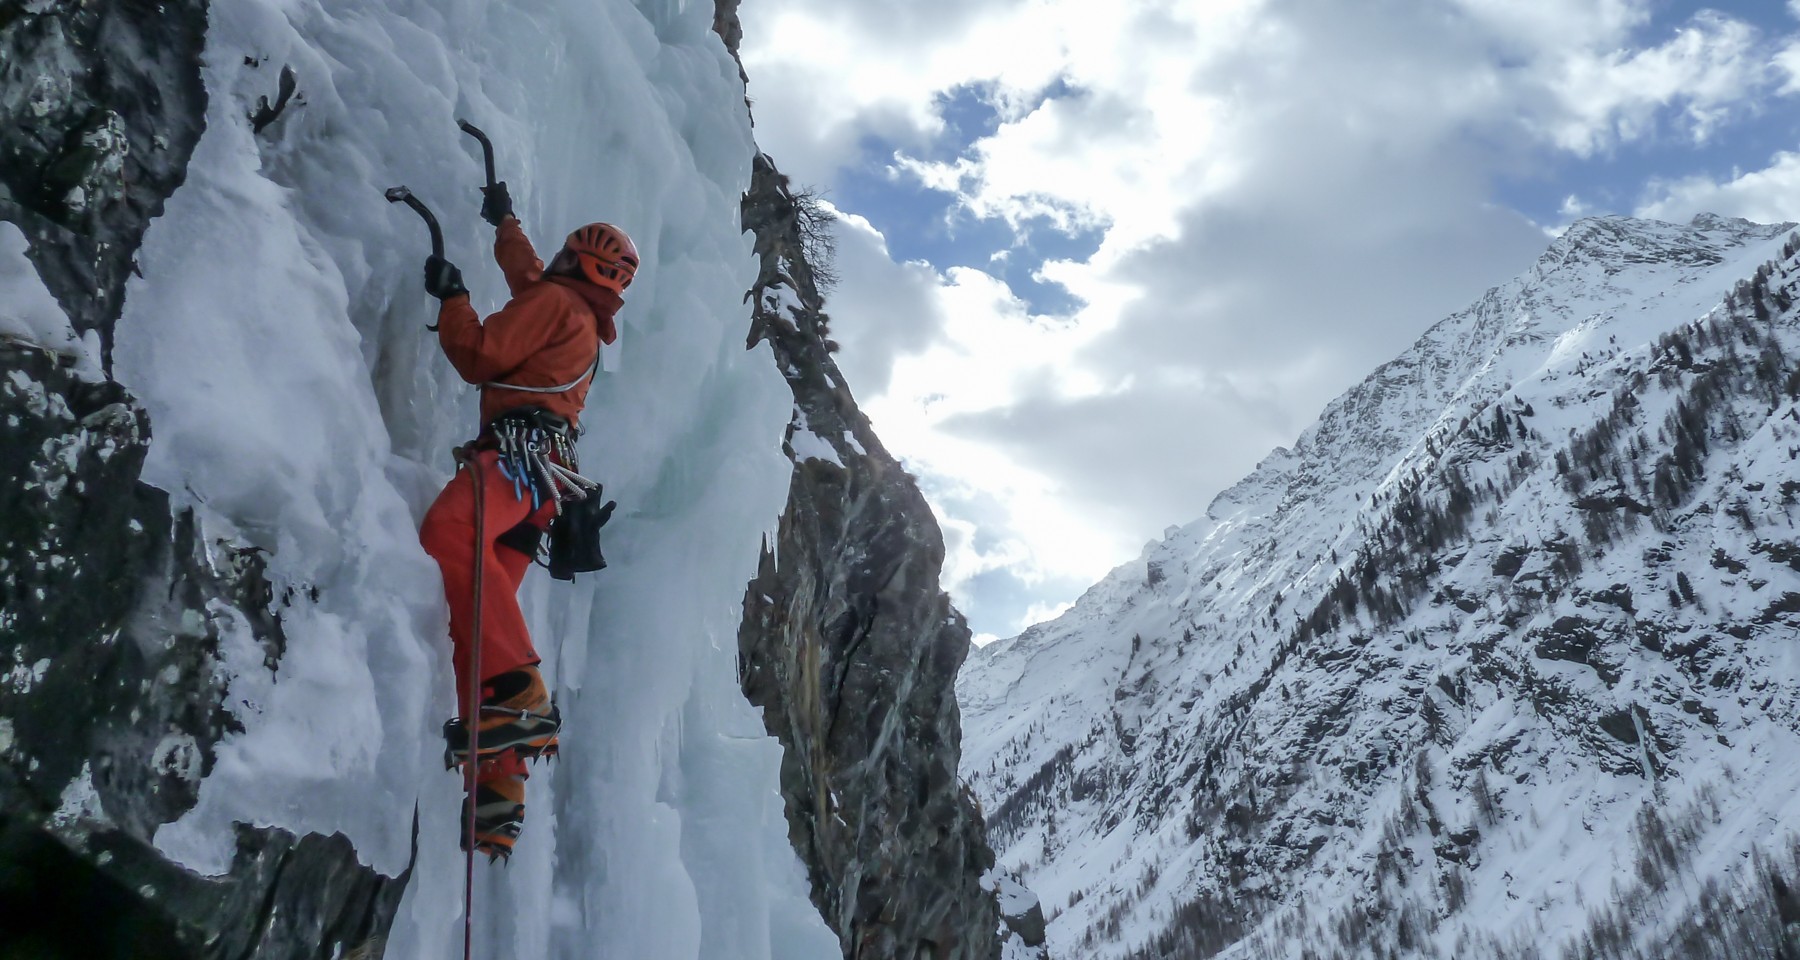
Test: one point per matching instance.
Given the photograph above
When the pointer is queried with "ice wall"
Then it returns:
(277, 339)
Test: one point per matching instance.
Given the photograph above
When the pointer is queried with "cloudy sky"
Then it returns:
(1099, 259)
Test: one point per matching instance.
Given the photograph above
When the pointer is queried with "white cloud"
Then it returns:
(1788, 62)
(1769, 195)
(1289, 191)
(1707, 70)
(903, 295)
(946, 347)
(1136, 139)
(1157, 122)
(827, 74)
(1534, 26)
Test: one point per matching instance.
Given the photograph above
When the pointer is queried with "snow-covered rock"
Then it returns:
(1501, 659)
(851, 648)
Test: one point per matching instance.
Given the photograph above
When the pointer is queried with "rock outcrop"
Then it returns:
(115, 605)
(852, 650)
(115, 612)
(102, 104)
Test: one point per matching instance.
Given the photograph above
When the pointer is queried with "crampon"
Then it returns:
(533, 735)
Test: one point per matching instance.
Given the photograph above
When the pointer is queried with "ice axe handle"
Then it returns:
(403, 195)
(487, 147)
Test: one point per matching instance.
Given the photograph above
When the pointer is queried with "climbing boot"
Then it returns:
(517, 715)
(499, 816)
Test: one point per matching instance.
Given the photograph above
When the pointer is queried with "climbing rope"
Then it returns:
(472, 719)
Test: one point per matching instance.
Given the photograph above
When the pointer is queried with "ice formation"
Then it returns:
(277, 339)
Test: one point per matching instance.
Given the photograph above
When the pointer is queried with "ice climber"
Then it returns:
(534, 361)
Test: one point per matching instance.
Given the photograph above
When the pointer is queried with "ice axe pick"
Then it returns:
(403, 195)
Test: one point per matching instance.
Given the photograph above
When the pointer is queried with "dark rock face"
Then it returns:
(730, 29)
(110, 708)
(70, 543)
(851, 649)
(102, 104)
(112, 605)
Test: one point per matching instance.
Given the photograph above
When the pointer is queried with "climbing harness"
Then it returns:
(592, 369)
(537, 455)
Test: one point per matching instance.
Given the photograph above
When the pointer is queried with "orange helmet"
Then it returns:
(604, 255)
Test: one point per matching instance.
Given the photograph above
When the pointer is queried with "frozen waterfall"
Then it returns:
(277, 339)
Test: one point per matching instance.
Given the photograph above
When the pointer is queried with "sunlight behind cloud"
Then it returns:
(1281, 194)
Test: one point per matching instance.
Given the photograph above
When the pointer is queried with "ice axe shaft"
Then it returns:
(487, 147)
(403, 195)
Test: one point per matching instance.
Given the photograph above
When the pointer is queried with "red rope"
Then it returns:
(472, 718)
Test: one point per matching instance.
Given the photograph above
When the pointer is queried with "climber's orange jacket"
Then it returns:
(548, 335)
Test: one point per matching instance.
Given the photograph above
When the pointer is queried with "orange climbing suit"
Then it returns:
(546, 336)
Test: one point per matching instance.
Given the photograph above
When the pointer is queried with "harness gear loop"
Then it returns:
(537, 450)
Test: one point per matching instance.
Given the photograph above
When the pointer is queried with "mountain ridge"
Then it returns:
(1198, 693)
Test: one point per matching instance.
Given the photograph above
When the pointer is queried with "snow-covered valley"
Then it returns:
(1499, 660)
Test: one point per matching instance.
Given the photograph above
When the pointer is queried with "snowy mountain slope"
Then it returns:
(1501, 652)
(299, 408)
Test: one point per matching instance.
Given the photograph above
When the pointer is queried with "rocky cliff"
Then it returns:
(115, 610)
(114, 603)
(102, 104)
(851, 648)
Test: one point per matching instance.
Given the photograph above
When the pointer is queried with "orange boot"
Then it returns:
(499, 816)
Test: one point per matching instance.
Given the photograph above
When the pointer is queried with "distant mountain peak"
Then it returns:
(1519, 604)
(1618, 240)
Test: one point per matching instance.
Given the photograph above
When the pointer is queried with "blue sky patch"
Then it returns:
(924, 224)
(1615, 181)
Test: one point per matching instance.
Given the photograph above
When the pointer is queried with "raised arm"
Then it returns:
(517, 258)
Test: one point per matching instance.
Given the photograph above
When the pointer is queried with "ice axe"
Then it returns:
(403, 195)
(487, 148)
(496, 203)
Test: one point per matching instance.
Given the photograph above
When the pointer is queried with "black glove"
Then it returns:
(496, 203)
(442, 279)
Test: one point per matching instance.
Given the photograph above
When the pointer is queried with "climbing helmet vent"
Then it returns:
(605, 255)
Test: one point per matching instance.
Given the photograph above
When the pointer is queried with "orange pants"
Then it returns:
(448, 534)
